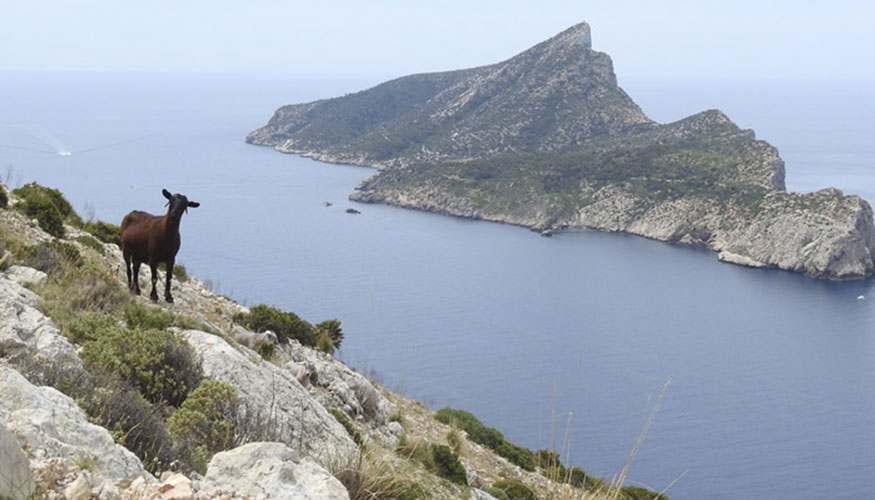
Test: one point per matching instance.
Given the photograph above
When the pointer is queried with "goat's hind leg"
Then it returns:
(128, 271)
(136, 283)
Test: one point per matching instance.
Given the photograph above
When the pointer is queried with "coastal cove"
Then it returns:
(773, 374)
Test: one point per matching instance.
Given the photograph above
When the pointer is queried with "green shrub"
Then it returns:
(344, 421)
(447, 464)
(498, 493)
(636, 493)
(89, 326)
(205, 424)
(48, 206)
(4, 198)
(91, 242)
(160, 364)
(515, 489)
(286, 325)
(139, 315)
(487, 436)
(329, 335)
(104, 231)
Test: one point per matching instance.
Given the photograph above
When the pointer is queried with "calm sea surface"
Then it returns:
(772, 391)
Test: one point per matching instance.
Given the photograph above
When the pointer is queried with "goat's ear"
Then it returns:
(194, 204)
(166, 194)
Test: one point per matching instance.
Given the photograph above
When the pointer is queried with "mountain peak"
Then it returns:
(579, 34)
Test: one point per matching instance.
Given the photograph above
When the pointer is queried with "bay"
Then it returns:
(772, 390)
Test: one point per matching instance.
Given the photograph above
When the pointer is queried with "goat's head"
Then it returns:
(178, 204)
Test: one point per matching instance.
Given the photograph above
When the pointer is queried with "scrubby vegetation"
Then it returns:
(487, 436)
(104, 231)
(286, 325)
(48, 206)
(325, 336)
(206, 422)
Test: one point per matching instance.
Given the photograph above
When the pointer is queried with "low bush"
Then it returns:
(139, 315)
(447, 464)
(487, 436)
(160, 364)
(48, 206)
(286, 325)
(92, 243)
(104, 231)
(636, 493)
(515, 489)
(328, 335)
(89, 326)
(4, 198)
(205, 424)
(133, 422)
(51, 256)
(498, 493)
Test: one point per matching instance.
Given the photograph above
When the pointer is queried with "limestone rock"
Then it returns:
(16, 482)
(270, 470)
(25, 332)
(475, 494)
(300, 419)
(345, 387)
(23, 274)
(175, 487)
(51, 424)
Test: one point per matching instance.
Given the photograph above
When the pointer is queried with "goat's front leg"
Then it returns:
(154, 294)
(167, 296)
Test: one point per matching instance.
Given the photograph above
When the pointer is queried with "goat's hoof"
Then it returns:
(154, 298)
(169, 299)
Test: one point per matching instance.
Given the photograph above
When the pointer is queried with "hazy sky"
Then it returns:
(736, 38)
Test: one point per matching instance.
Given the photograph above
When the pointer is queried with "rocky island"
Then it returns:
(548, 140)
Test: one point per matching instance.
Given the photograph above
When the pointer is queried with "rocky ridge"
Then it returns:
(549, 141)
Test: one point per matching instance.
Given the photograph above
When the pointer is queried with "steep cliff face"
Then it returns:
(547, 140)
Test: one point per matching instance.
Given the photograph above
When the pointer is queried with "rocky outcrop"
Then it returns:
(50, 424)
(16, 481)
(269, 470)
(25, 332)
(341, 387)
(294, 416)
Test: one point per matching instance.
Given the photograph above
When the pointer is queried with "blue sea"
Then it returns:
(771, 375)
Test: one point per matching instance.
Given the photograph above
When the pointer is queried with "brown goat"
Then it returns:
(153, 239)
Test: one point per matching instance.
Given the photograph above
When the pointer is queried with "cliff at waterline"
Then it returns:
(548, 140)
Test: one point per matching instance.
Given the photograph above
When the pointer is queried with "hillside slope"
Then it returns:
(287, 422)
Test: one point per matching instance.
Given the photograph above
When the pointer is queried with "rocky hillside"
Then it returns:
(109, 396)
(552, 98)
(548, 140)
